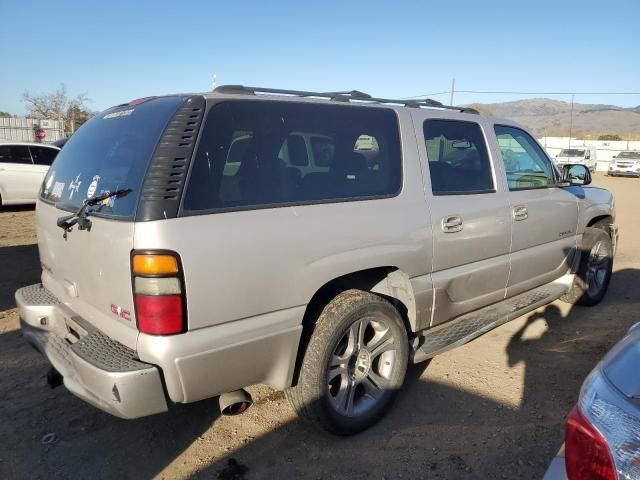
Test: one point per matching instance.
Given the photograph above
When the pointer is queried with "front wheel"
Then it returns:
(594, 273)
(354, 364)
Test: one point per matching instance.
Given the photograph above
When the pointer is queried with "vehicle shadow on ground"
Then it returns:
(440, 429)
(86, 443)
(19, 266)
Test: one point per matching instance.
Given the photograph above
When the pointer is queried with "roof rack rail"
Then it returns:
(344, 96)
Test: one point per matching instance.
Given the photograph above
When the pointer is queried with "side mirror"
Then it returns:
(576, 174)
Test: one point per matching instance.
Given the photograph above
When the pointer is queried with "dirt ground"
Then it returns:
(494, 408)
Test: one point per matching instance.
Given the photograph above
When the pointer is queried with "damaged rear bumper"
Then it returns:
(94, 367)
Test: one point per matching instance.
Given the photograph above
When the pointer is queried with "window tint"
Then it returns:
(43, 155)
(525, 162)
(458, 159)
(14, 154)
(110, 151)
(274, 166)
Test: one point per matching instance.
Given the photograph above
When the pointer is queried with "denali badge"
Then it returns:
(119, 311)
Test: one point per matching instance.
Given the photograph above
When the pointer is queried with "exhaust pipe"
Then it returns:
(54, 379)
(235, 403)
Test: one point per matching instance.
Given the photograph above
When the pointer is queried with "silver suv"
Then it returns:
(192, 245)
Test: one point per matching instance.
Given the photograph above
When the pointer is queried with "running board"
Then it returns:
(465, 328)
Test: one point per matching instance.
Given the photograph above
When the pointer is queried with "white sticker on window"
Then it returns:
(47, 187)
(92, 186)
(58, 187)
(121, 113)
(74, 186)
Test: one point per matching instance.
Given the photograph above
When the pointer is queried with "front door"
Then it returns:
(544, 216)
(469, 216)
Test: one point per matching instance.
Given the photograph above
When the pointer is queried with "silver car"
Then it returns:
(626, 164)
(602, 439)
(193, 245)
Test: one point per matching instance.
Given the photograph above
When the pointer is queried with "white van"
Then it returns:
(587, 156)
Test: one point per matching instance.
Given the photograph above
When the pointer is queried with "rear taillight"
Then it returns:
(158, 289)
(587, 456)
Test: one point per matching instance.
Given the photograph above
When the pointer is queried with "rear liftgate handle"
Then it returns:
(451, 224)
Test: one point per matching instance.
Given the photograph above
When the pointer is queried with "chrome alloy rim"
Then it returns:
(597, 267)
(361, 366)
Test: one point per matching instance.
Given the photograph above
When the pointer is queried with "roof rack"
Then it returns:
(345, 96)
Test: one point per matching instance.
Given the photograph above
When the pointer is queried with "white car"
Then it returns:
(22, 169)
(626, 164)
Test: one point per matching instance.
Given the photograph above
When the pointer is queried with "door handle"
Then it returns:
(520, 213)
(451, 224)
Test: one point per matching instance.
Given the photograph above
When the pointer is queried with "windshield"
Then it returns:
(571, 153)
(110, 152)
(634, 155)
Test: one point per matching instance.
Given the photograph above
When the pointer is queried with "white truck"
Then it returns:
(587, 156)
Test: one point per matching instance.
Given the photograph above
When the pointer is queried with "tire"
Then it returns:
(594, 272)
(354, 364)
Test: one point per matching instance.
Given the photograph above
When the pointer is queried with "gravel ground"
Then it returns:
(494, 408)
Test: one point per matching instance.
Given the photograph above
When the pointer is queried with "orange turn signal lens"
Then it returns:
(154, 264)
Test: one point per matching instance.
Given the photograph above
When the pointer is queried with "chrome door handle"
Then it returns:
(451, 224)
(520, 213)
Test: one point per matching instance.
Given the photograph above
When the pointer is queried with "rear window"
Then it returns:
(110, 152)
(262, 153)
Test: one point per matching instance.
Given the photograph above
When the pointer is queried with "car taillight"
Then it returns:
(158, 289)
(587, 456)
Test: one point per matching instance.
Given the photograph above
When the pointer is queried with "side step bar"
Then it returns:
(465, 328)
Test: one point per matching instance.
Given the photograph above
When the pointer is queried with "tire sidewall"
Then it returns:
(589, 240)
(335, 326)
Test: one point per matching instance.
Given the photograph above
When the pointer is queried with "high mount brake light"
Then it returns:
(158, 289)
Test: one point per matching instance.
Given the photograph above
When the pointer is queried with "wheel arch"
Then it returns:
(389, 282)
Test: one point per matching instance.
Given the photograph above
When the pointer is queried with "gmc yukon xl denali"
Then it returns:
(193, 245)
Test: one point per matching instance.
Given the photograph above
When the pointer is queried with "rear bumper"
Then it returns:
(94, 367)
(556, 470)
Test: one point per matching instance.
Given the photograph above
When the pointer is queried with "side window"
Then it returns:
(525, 163)
(15, 154)
(458, 158)
(43, 155)
(255, 154)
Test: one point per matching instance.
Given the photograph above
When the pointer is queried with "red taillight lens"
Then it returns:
(159, 314)
(158, 289)
(587, 456)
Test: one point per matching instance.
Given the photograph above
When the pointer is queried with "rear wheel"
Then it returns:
(354, 365)
(594, 273)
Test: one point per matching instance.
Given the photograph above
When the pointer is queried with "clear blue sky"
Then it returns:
(120, 50)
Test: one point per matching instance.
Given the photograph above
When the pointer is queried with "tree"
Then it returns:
(610, 136)
(5, 115)
(58, 106)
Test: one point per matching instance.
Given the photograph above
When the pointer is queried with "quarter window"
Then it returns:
(458, 159)
(271, 153)
(15, 154)
(525, 162)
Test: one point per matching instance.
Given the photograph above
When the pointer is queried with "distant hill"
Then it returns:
(544, 116)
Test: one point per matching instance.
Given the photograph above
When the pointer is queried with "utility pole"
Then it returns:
(453, 89)
(571, 121)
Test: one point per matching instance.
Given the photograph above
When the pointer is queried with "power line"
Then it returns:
(500, 92)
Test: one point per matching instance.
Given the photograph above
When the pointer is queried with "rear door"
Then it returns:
(19, 180)
(544, 216)
(89, 270)
(469, 216)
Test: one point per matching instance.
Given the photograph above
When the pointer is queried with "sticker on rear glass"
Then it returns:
(92, 186)
(74, 186)
(121, 113)
(58, 187)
